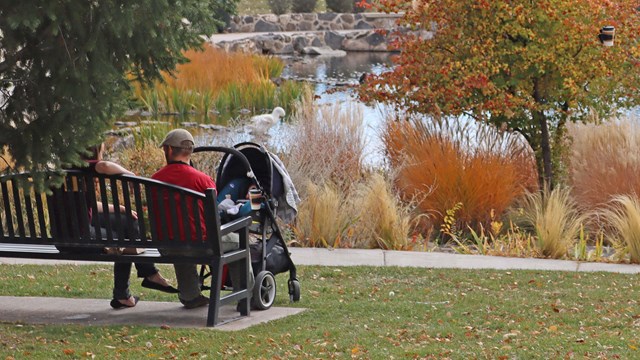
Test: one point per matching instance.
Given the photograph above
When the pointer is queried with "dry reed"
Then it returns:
(325, 144)
(604, 161)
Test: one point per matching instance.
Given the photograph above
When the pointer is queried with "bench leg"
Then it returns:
(247, 283)
(214, 294)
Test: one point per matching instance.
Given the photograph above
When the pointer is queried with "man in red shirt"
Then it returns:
(178, 146)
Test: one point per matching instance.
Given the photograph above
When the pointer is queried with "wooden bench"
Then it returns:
(35, 224)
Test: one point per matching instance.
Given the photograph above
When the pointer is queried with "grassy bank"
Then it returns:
(361, 313)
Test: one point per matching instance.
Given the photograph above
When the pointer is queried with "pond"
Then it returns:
(334, 80)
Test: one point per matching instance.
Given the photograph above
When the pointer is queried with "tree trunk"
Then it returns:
(545, 146)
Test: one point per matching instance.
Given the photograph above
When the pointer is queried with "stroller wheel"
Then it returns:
(294, 290)
(264, 291)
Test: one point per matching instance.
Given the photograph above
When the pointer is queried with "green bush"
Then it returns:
(279, 7)
(340, 6)
(303, 6)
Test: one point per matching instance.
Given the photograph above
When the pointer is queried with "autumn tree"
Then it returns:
(65, 67)
(530, 66)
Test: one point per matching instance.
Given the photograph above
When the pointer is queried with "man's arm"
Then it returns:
(111, 168)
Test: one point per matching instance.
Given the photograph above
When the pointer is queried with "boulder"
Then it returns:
(323, 51)
(333, 40)
(327, 16)
(263, 26)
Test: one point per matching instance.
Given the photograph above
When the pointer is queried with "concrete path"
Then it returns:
(97, 312)
(352, 257)
(47, 310)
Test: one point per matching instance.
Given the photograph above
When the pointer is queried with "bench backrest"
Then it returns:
(168, 216)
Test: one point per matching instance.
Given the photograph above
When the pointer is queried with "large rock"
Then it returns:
(299, 43)
(263, 26)
(362, 25)
(376, 39)
(333, 40)
(323, 51)
(327, 16)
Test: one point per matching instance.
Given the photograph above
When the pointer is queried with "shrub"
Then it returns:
(622, 217)
(144, 159)
(444, 164)
(604, 161)
(303, 6)
(340, 6)
(554, 219)
(383, 220)
(279, 7)
(323, 216)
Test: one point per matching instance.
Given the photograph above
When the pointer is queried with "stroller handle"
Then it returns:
(231, 151)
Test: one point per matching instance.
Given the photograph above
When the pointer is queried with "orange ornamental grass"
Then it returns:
(442, 163)
(212, 70)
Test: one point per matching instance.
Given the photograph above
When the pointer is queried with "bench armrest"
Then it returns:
(235, 225)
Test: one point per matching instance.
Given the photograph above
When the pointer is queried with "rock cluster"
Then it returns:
(312, 22)
(281, 44)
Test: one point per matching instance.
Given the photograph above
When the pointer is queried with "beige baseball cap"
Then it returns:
(177, 137)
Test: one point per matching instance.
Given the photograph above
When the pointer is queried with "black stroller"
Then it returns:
(259, 168)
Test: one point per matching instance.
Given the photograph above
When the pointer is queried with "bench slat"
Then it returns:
(104, 199)
(29, 209)
(173, 217)
(18, 208)
(41, 215)
(115, 200)
(141, 213)
(7, 207)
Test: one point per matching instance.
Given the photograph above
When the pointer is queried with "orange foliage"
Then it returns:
(441, 165)
(213, 69)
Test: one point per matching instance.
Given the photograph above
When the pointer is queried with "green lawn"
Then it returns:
(362, 313)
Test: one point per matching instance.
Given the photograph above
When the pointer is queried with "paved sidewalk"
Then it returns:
(47, 310)
(352, 257)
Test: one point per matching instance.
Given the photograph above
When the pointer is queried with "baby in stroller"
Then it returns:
(233, 199)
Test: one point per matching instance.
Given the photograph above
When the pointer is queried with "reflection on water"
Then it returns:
(336, 70)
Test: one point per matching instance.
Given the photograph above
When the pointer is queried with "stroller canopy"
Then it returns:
(270, 176)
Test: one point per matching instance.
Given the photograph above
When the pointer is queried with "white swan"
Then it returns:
(260, 124)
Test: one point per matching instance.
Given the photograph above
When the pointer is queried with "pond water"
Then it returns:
(334, 80)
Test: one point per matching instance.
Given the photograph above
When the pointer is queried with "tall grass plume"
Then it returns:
(604, 161)
(553, 217)
(384, 221)
(622, 217)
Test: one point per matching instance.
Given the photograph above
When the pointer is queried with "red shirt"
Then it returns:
(185, 176)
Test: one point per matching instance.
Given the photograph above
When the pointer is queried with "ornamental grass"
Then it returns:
(604, 161)
(553, 217)
(445, 163)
